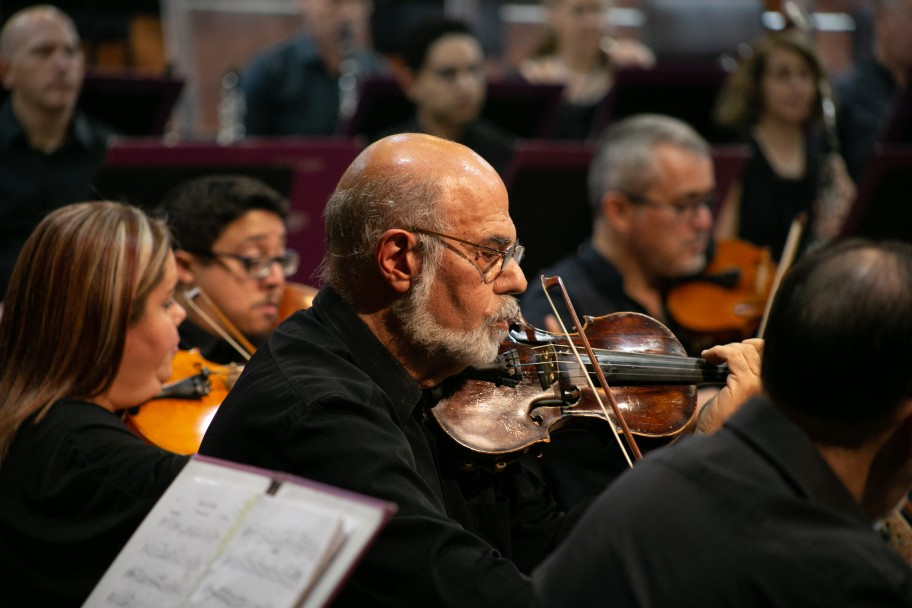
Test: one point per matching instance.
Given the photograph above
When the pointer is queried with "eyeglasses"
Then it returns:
(489, 255)
(684, 211)
(259, 267)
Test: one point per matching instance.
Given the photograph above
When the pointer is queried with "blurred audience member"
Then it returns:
(443, 75)
(576, 51)
(867, 94)
(49, 152)
(775, 100)
(296, 87)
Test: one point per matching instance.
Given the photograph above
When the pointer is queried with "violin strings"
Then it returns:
(615, 424)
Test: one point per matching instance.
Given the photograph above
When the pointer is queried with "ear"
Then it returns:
(185, 263)
(397, 259)
(617, 211)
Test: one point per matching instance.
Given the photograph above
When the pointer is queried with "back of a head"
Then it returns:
(199, 210)
(837, 341)
(82, 278)
(626, 160)
(418, 40)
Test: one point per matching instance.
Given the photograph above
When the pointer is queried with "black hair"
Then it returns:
(197, 211)
(419, 39)
(837, 341)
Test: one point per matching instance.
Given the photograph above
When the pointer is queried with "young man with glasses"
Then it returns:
(232, 262)
(420, 278)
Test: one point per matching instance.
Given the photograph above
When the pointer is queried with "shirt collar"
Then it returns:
(786, 446)
(369, 354)
(11, 131)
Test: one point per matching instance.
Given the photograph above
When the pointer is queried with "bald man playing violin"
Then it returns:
(421, 273)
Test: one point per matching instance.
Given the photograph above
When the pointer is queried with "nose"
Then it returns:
(179, 313)
(703, 218)
(275, 277)
(511, 281)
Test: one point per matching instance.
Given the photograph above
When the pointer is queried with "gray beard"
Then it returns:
(476, 347)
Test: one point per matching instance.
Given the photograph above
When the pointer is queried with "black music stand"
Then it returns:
(883, 209)
(547, 184)
(684, 91)
(306, 170)
(134, 104)
(523, 109)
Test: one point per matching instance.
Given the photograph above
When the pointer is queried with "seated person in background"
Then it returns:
(420, 276)
(576, 51)
(774, 100)
(867, 93)
(651, 187)
(230, 236)
(443, 75)
(89, 330)
(293, 89)
(49, 152)
(779, 504)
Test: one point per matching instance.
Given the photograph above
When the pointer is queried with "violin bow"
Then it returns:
(789, 251)
(547, 283)
(237, 340)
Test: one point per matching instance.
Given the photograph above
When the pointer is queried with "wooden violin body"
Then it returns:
(177, 419)
(726, 302)
(539, 388)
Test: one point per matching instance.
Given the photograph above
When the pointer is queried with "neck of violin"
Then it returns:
(644, 368)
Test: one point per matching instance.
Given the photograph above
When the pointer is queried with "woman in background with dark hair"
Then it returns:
(577, 51)
(775, 100)
(89, 330)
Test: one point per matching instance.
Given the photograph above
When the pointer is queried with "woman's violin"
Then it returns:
(178, 417)
(726, 302)
(537, 387)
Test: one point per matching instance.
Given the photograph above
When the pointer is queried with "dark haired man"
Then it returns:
(443, 75)
(231, 261)
(777, 508)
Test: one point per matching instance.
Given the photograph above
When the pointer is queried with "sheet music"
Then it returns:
(180, 544)
(272, 559)
(218, 538)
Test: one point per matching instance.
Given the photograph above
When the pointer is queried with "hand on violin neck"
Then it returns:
(743, 382)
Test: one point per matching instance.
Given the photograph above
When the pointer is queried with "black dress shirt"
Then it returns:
(324, 399)
(73, 488)
(33, 183)
(750, 516)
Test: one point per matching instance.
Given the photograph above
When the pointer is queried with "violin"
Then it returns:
(727, 301)
(177, 418)
(499, 413)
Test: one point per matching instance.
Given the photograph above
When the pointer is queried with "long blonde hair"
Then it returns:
(82, 278)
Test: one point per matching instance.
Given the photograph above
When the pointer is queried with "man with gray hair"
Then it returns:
(650, 189)
(421, 272)
(650, 186)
